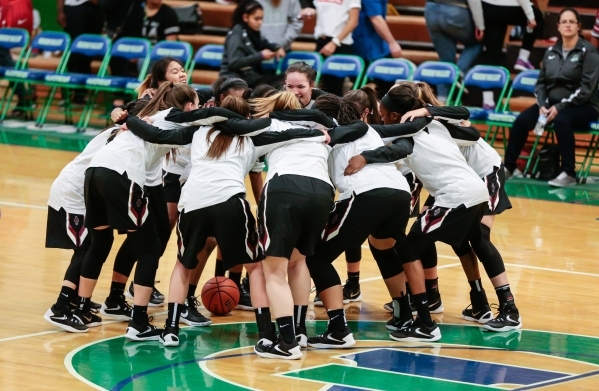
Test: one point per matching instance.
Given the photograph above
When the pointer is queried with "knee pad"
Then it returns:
(487, 253)
(97, 253)
(463, 249)
(353, 255)
(323, 274)
(428, 257)
(74, 270)
(388, 261)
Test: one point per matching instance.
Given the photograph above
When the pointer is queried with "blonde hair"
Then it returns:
(284, 100)
(169, 95)
(425, 92)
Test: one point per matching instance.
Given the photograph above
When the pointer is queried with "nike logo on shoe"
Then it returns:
(282, 352)
(417, 331)
(64, 317)
(184, 314)
(64, 295)
(334, 339)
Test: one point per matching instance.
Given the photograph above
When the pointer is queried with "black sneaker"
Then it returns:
(62, 317)
(191, 316)
(143, 332)
(155, 299)
(318, 301)
(301, 336)
(480, 315)
(245, 301)
(156, 293)
(417, 332)
(351, 293)
(169, 336)
(95, 306)
(89, 319)
(388, 306)
(245, 282)
(332, 339)
(278, 349)
(396, 324)
(507, 319)
(117, 309)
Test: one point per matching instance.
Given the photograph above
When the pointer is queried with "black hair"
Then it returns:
(403, 98)
(576, 14)
(224, 85)
(263, 91)
(302, 67)
(245, 7)
(345, 112)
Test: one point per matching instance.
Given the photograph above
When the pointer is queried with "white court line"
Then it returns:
(19, 205)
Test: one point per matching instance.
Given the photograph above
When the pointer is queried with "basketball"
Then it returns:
(220, 295)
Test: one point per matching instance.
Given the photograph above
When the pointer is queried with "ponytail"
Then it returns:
(221, 143)
(366, 98)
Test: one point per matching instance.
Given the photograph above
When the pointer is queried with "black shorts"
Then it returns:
(172, 186)
(65, 230)
(114, 200)
(498, 199)
(439, 224)
(382, 213)
(231, 223)
(159, 212)
(415, 189)
(293, 212)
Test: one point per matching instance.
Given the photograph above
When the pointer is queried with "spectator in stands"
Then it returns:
(79, 17)
(372, 37)
(566, 94)
(160, 23)
(281, 24)
(452, 21)
(595, 32)
(335, 22)
(245, 48)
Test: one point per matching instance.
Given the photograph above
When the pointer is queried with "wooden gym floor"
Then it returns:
(550, 250)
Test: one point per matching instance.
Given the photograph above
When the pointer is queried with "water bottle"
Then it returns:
(540, 126)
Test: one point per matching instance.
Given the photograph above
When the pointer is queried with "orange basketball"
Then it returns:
(220, 295)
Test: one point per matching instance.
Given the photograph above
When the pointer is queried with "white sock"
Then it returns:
(524, 54)
(488, 98)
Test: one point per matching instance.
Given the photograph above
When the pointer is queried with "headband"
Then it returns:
(390, 105)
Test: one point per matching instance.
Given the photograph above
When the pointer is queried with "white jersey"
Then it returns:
(373, 176)
(67, 189)
(179, 165)
(481, 157)
(443, 171)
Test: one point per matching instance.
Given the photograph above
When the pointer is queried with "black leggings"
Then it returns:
(497, 18)
(565, 123)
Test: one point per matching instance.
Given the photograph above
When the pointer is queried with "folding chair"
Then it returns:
(209, 56)
(11, 38)
(88, 45)
(129, 49)
(181, 51)
(313, 59)
(436, 73)
(485, 77)
(342, 66)
(389, 70)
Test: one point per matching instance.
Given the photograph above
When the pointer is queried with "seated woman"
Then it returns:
(245, 48)
(566, 94)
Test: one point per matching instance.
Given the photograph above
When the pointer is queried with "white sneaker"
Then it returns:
(563, 180)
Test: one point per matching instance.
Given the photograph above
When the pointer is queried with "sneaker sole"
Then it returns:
(63, 326)
(482, 320)
(346, 345)
(387, 308)
(244, 307)
(132, 337)
(197, 324)
(412, 339)
(296, 356)
(156, 304)
(302, 341)
(169, 343)
(522, 68)
(358, 298)
(128, 295)
(122, 318)
(319, 303)
(502, 329)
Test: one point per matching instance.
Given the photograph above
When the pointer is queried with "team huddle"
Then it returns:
(179, 157)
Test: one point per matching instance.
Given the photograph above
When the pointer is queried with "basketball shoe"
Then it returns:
(318, 301)
(245, 301)
(508, 318)
(301, 336)
(89, 319)
(156, 300)
(417, 332)
(191, 316)
(351, 293)
(143, 332)
(481, 315)
(333, 339)
(169, 336)
(63, 318)
(117, 309)
(279, 349)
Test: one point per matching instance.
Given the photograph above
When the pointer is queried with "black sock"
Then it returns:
(191, 291)
(263, 321)
(286, 329)
(505, 296)
(424, 314)
(174, 313)
(236, 277)
(299, 312)
(353, 279)
(219, 269)
(140, 314)
(337, 319)
(432, 289)
(402, 309)
(64, 298)
(84, 304)
(117, 289)
(478, 296)
(476, 286)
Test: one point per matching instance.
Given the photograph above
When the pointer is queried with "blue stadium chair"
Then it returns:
(89, 45)
(181, 51)
(13, 39)
(311, 58)
(389, 70)
(342, 66)
(127, 48)
(485, 77)
(271, 66)
(436, 73)
(47, 41)
(209, 56)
